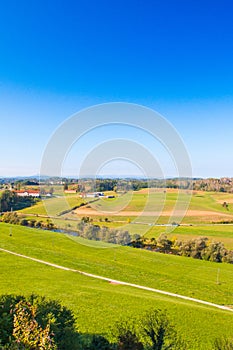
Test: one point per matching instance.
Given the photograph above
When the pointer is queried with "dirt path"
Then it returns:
(89, 211)
(116, 282)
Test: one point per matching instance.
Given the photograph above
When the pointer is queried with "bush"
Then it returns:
(24, 222)
(153, 332)
(11, 218)
(98, 342)
(60, 319)
(159, 332)
(127, 338)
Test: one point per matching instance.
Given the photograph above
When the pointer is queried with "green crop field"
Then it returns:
(166, 200)
(202, 206)
(99, 304)
(204, 209)
(54, 206)
(136, 202)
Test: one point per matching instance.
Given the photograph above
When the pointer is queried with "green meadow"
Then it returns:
(55, 205)
(166, 200)
(99, 304)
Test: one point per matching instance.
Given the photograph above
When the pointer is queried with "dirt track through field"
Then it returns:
(92, 212)
(116, 282)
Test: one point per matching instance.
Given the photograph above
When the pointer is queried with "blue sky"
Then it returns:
(57, 57)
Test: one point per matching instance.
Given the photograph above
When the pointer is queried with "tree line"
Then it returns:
(9, 200)
(85, 229)
(198, 248)
(14, 218)
(210, 184)
(102, 233)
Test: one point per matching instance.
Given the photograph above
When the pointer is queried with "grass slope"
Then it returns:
(99, 304)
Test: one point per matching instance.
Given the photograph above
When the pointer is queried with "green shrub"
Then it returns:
(60, 319)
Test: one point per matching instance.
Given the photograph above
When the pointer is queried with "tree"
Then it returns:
(159, 332)
(85, 219)
(49, 225)
(60, 319)
(225, 205)
(123, 237)
(111, 236)
(198, 247)
(164, 243)
(228, 258)
(8, 199)
(103, 233)
(98, 342)
(24, 222)
(127, 338)
(32, 222)
(92, 232)
(26, 330)
(11, 218)
(215, 252)
(38, 224)
(153, 332)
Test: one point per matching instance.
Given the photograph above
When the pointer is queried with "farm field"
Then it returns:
(54, 206)
(98, 304)
(205, 209)
(220, 233)
(203, 206)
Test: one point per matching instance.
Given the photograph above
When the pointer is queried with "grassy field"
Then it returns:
(157, 199)
(134, 203)
(205, 208)
(220, 233)
(98, 304)
(54, 206)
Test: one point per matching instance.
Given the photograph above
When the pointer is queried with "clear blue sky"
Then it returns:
(174, 56)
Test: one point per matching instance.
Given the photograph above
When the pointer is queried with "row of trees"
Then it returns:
(14, 218)
(101, 185)
(94, 232)
(9, 200)
(85, 229)
(198, 248)
(212, 184)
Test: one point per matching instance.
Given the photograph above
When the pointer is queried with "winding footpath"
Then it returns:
(110, 280)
